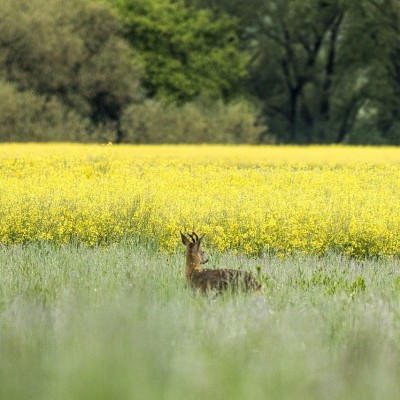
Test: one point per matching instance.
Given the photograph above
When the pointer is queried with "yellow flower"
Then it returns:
(246, 199)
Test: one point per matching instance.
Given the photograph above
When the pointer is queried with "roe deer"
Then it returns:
(212, 279)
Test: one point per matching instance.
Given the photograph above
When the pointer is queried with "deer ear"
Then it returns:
(185, 240)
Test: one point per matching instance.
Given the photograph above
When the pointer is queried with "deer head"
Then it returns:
(195, 255)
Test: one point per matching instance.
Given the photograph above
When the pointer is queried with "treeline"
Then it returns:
(226, 71)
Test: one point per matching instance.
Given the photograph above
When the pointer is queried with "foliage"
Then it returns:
(319, 71)
(72, 57)
(72, 51)
(26, 116)
(325, 71)
(379, 22)
(186, 52)
(194, 122)
(246, 199)
(314, 93)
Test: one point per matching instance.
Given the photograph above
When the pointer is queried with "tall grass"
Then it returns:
(119, 323)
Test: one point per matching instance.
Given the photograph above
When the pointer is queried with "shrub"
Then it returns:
(194, 122)
(26, 116)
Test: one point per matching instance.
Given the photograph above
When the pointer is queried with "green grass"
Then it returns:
(119, 323)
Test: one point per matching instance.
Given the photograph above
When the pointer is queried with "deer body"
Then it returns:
(212, 279)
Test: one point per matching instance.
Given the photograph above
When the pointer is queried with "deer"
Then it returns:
(213, 280)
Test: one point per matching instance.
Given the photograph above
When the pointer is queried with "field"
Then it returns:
(93, 303)
(251, 200)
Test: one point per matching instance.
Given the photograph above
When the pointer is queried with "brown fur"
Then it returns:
(217, 280)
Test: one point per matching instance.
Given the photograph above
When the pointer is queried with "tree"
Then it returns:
(186, 52)
(72, 51)
(379, 25)
(315, 67)
(248, 15)
(26, 116)
(310, 93)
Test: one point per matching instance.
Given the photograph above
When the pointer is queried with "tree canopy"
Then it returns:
(324, 71)
(304, 71)
(70, 51)
(186, 52)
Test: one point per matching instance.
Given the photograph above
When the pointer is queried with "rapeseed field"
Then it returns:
(246, 199)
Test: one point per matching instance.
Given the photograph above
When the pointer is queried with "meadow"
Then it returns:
(119, 323)
(93, 300)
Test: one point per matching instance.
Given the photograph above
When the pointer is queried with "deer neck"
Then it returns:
(192, 265)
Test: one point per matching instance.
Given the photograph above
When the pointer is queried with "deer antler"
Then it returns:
(193, 236)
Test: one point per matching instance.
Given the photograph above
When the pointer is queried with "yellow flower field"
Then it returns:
(246, 199)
